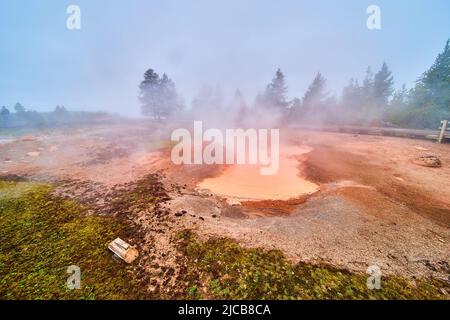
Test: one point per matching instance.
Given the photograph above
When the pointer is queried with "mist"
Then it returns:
(226, 44)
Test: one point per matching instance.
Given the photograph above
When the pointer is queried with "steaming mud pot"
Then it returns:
(245, 183)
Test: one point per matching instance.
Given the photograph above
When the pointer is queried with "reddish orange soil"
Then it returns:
(272, 207)
(388, 169)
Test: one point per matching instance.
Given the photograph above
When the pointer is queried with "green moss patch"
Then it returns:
(42, 235)
(221, 269)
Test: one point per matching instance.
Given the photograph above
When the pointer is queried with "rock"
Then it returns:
(233, 202)
(33, 154)
(421, 148)
(204, 192)
(178, 214)
(428, 161)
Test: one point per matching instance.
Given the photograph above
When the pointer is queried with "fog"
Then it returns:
(228, 45)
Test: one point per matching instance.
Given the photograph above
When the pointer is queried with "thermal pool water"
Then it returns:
(244, 182)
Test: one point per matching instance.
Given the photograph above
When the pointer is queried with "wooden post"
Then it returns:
(443, 129)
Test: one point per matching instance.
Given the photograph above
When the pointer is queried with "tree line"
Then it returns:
(22, 117)
(372, 101)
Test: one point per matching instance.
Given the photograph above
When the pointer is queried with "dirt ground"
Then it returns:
(374, 205)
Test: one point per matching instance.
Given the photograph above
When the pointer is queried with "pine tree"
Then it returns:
(398, 109)
(149, 93)
(4, 112)
(315, 94)
(19, 108)
(259, 100)
(158, 96)
(352, 103)
(170, 102)
(60, 110)
(433, 87)
(296, 109)
(351, 95)
(429, 101)
(150, 78)
(4, 116)
(383, 87)
(399, 98)
(275, 94)
(367, 89)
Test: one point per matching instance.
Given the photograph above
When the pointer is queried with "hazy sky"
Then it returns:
(231, 43)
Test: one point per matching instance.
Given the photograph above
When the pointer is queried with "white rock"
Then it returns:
(33, 154)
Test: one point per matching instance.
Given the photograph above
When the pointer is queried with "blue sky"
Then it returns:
(230, 43)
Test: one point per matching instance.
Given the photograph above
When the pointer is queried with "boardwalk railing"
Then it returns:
(444, 131)
(384, 131)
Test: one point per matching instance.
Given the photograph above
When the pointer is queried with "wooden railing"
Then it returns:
(444, 131)
(438, 135)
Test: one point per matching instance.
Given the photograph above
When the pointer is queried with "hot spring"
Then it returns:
(243, 182)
